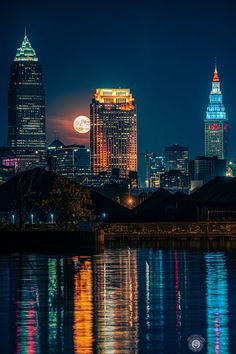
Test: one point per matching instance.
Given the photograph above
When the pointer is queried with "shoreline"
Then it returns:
(210, 230)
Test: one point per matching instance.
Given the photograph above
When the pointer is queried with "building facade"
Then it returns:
(216, 122)
(71, 161)
(174, 180)
(155, 166)
(176, 158)
(205, 168)
(26, 105)
(113, 134)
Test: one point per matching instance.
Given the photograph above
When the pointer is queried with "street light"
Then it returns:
(130, 202)
(32, 218)
(13, 218)
(104, 216)
(51, 216)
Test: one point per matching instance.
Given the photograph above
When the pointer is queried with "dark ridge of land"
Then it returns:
(218, 196)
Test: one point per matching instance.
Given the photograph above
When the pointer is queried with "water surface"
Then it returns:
(129, 299)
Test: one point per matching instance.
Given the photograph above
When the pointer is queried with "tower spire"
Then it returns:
(25, 52)
(216, 75)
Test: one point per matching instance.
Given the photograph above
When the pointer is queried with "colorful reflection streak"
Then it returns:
(83, 307)
(177, 297)
(116, 318)
(27, 305)
(56, 304)
(154, 301)
(217, 304)
(123, 300)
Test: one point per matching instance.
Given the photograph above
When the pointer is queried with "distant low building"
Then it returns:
(175, 180)
(155, 166)
(71, 161)
(6, 172)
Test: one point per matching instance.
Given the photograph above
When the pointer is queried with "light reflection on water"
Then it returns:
(217, 303)
(126, 300)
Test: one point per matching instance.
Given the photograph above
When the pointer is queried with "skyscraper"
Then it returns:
(113, 135)
(26, 104)
(216, 122)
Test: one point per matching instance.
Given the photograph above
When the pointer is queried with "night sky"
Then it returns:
(163, 50)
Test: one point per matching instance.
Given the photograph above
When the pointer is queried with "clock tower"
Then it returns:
(216, 122)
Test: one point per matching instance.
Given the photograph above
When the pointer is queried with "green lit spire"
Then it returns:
(25, 52)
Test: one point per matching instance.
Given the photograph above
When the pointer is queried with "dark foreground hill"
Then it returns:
(219, 194)
(42, 192)
(32, 189)
(220, 191)
(158, 206)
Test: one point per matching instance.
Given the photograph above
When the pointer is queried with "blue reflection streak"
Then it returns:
(154, 302)
(217, 304)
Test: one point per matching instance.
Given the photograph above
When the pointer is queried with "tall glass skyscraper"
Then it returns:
(216, 122)
(113, 135)
(26, 104)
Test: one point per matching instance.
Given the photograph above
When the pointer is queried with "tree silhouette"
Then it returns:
(71, 202)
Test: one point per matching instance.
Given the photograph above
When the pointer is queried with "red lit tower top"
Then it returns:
(216, 75)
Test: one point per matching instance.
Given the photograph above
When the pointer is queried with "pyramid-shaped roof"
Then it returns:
(56, 144)
(26, 52)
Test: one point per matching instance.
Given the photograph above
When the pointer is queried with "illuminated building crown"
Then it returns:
(216, 108)
(26, 52)
(216, 76)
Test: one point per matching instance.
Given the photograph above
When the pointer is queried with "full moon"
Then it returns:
(82, 124)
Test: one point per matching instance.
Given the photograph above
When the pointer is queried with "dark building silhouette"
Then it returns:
(174, 180)
(26, 106)
(204, 168)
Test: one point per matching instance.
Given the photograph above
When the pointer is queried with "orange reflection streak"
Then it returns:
(121, 305)
(83, 309)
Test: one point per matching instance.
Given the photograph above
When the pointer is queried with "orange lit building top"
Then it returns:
(121, 97)
(216, 75)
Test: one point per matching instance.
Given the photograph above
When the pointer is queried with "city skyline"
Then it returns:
(26, 54)
(117, 176)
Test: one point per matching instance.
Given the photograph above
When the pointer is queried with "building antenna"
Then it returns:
(25, 32)
(215, 63)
